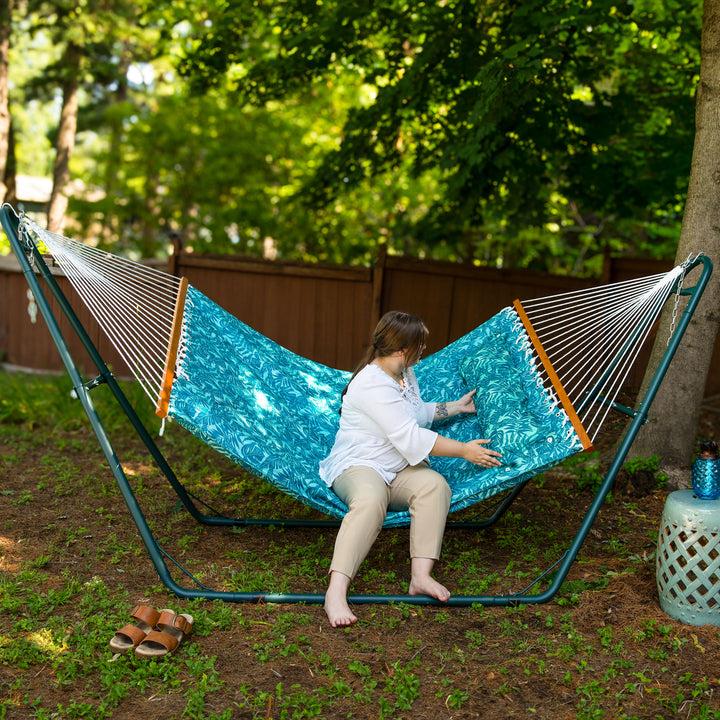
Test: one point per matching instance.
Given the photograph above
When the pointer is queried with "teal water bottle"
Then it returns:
(706, 472)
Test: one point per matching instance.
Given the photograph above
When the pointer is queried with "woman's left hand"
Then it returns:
(466, 404)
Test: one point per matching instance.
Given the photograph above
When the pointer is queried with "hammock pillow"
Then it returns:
(512, 412)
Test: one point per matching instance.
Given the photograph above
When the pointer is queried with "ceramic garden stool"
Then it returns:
(688, 559)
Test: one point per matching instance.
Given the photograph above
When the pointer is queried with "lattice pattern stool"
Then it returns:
(688, 559)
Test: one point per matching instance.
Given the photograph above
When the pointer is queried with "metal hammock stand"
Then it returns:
(37, 272)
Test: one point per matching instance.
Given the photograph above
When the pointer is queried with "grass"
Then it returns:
(72, 565)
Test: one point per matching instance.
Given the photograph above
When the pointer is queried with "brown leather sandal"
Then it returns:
(170, 630)
(132, 635)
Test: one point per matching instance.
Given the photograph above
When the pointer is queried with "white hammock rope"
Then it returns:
(133, 303)
(590, 338)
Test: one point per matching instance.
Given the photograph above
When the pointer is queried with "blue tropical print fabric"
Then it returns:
(275, 413)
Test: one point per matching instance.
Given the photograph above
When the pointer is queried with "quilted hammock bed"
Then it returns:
(275, 413)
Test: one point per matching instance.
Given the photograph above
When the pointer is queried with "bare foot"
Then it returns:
(422, 583)
(429, 586)
(338, 611)
(336, 606)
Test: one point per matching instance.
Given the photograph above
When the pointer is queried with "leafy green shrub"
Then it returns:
(586, 470)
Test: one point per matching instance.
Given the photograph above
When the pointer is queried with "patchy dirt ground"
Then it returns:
(607, 650)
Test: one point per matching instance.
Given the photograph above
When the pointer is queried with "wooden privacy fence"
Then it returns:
(325, 313)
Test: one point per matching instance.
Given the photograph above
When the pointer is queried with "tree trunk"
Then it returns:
(65, 143)
(11, 171)
(5, 29)
(670, 432)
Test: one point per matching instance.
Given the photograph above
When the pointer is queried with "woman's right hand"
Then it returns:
(476, 453)
(472, 451)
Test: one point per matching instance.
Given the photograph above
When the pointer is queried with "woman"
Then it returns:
(379, 461)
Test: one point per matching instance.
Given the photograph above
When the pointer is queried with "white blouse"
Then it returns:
(383, 426)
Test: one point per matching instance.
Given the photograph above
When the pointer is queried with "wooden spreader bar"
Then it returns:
(554, 379)
(169, 373)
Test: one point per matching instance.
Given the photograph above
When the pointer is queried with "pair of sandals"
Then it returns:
(153, 634)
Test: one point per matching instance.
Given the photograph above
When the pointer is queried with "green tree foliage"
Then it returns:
(549, 125)
(92, 41)
(519, 134)
(33, 118)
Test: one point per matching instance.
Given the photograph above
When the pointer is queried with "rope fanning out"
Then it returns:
(133, 303)
(592, 337)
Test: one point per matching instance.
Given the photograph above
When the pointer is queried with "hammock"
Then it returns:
(546, 371)
(257, 403)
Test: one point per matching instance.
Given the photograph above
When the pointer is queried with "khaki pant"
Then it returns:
(417, 488)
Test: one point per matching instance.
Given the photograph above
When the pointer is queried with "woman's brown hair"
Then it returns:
(395, 331)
